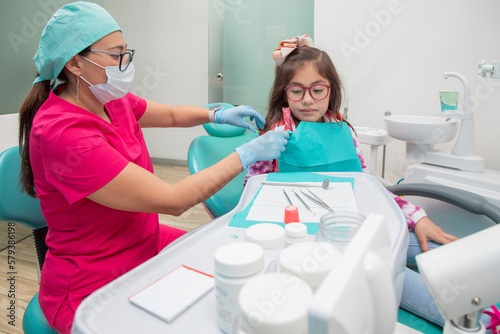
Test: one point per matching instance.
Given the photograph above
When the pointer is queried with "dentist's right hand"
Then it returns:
(266, 147)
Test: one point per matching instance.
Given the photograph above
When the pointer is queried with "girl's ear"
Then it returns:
(73, 65)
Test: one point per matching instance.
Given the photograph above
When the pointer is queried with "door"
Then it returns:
(251, 30)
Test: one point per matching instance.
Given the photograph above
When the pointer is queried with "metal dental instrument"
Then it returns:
(312, 199)
(324, 185)
(305, 204)
(288, 198)
(317, 200)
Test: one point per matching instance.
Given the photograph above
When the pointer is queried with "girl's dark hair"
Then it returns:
(285, 73)
(37, 96)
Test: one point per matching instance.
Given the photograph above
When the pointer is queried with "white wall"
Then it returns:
(392, 55)
(9, 131)
(171, 61)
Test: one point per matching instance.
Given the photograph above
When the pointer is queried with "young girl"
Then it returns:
(307, 88)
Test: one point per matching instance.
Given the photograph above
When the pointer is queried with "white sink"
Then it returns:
(421, 129)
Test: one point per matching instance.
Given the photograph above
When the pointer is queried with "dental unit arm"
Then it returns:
(462, 276)
(466, 200)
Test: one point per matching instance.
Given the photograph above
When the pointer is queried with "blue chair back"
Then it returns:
(15, 205)
(205, 151)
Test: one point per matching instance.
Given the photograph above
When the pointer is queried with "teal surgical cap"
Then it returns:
(73, 28)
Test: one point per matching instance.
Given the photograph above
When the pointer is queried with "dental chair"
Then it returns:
(205, 151)
(24, 210)
(468, 201)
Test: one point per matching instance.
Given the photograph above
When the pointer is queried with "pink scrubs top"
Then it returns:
(73, 153)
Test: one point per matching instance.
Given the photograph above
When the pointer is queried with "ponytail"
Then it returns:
(37, 96)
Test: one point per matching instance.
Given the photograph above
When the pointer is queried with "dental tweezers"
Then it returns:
(317, 200)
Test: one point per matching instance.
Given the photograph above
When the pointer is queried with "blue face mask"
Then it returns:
(117, 85)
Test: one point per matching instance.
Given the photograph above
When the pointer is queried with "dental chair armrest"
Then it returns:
(464, 199)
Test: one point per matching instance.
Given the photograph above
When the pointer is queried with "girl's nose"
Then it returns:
(307, 99)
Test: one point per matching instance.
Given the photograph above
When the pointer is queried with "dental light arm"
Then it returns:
(463, 278)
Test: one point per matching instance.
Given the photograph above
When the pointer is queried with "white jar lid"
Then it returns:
(239, 259)
(311, 261)
(296, 230)
(268, 235)
(274, 303)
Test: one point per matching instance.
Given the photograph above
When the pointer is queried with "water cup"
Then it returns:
(449, 100)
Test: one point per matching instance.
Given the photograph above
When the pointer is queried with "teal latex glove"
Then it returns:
(234, 116)
(266, 147)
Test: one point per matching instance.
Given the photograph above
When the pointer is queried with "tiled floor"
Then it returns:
(26, 272)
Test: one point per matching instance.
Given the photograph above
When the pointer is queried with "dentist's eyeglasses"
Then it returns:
(296, 93)
(125, 57)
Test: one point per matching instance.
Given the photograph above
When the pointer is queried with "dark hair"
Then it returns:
(37, 96)
(285, 73)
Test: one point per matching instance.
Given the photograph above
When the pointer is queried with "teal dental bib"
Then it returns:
(320, 147)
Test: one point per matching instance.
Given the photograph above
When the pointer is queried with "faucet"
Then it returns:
(466, 90)
(464, 146)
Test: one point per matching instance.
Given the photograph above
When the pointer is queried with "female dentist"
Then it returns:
(84, 157)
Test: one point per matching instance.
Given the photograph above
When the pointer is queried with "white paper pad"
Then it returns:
(174, 293)
(270, 203)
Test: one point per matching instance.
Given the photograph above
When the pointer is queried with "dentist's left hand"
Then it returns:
(266, 147)
(234, 116)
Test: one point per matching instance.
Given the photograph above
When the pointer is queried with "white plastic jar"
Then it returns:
(311, 261)
(294, 233)
(274, 303)
(267, 235)
(235, 264)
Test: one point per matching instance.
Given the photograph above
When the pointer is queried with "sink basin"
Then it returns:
(421, 129)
